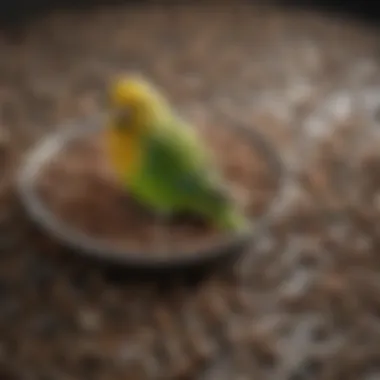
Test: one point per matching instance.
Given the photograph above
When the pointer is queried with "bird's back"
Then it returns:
(176, 167)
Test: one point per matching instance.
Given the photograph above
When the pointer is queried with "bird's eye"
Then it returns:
(124, 114)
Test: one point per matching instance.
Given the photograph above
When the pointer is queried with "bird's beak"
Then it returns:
(119, 116)
(113, 114)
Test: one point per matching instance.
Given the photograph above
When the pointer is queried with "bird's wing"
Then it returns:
(181, 157)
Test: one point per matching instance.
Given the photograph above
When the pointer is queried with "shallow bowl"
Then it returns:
(228, 247)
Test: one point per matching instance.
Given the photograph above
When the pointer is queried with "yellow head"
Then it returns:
(133, 103)
(133, 106)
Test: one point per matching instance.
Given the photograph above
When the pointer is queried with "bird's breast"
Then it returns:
(124, 153)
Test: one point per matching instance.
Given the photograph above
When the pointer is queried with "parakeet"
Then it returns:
(160, 159)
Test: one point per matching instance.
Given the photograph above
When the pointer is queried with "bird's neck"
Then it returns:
(146, 118)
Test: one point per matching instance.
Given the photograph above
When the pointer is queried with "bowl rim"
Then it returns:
(55, 141)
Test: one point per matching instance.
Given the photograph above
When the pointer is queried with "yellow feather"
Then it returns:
(124, 153)
(142, 103)
(133, 92)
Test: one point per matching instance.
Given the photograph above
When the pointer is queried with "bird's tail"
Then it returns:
(232, 219)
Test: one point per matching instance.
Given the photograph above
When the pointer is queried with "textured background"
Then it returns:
(304, 303)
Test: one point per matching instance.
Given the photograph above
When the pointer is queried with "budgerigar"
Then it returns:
(162, 161)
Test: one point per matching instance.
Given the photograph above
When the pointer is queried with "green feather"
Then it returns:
(177, 175)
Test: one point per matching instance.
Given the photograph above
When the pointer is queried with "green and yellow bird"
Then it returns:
(161, 160)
